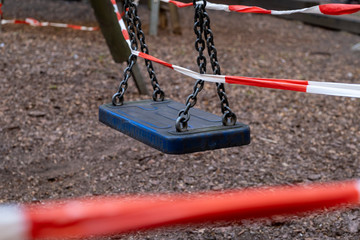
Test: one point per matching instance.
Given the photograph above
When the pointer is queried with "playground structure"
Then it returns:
(354, 201)
(152, 126)
(149, 122)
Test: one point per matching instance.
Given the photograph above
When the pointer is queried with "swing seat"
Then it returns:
(153, 123)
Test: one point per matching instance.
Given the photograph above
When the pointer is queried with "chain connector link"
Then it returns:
(118, 99)
(181, 124)
(158, 95)
(229, 118)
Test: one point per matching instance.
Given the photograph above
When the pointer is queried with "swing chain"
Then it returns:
(134, 29)
(184, 116)
(118, 98)
(229, 117)
(202, 26)
(158, 94)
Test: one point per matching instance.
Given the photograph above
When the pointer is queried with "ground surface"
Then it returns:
(52, 145)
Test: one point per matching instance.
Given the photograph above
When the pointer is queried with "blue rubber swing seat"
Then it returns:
(153, 123)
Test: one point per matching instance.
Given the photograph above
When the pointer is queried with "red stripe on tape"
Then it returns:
(125, 34)
(118, 16)
(74, 26)
(180, 4)
(266, 83)
(339, 9)
(292, 81)
(248, 9)
(154, 59)
(20, 22)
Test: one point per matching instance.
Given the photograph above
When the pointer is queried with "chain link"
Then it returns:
(134, 29)
(118, 97)
(158, 94)
(181, 124)
(229, 117)
(202, 26)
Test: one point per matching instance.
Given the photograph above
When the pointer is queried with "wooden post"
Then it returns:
(163, 21)
(163, 18)
(111, 31)
(154, 17)
(175, 19)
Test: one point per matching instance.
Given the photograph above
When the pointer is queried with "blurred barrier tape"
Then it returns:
(326, 88)
(326, 9)
(113, 215)
(36, 23)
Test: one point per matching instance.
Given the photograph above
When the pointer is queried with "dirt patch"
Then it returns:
(52, 145)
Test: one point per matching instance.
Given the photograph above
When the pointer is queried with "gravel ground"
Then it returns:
(52, 145)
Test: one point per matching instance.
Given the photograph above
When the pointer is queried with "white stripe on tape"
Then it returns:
(7, 21)
(314, 9)
(13, 225)
(336, 85)
(58, 25)
(221, 7)
(341, 92)
(122, 24)
(116, 8)
(195, 75)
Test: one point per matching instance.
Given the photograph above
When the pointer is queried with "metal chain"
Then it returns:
(202, 26)
(158, 94)
(118, 97)
(184, 116)
(133, 22)
(229, 117)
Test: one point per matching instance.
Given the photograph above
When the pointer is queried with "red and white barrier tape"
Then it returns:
(114, 215)
(121, 23)
(327, 88)
(36, 23)
(326, 9)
